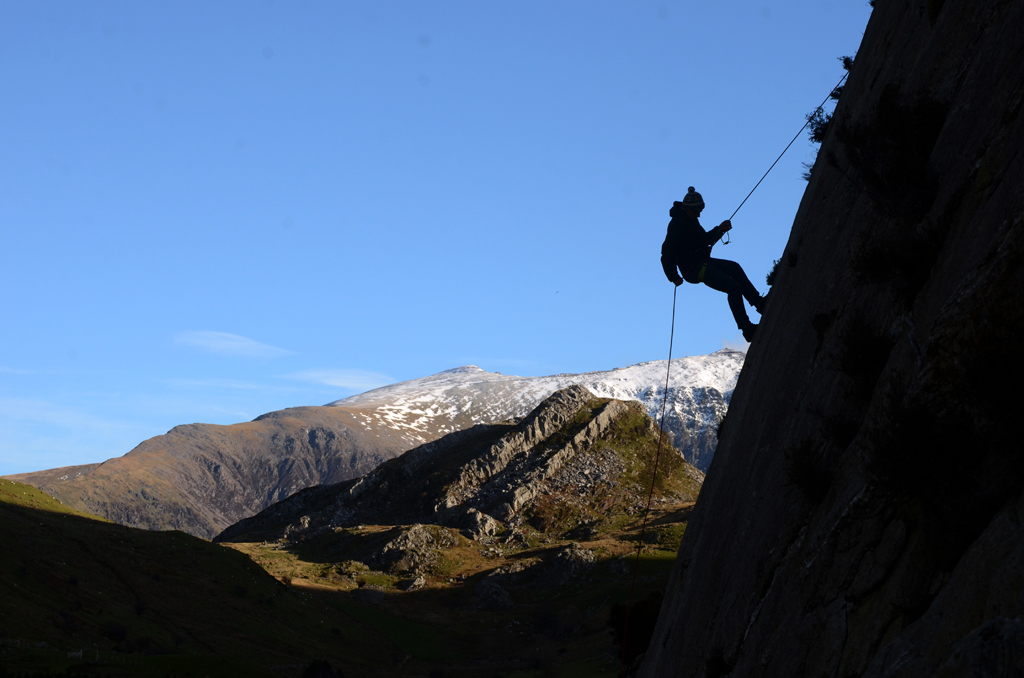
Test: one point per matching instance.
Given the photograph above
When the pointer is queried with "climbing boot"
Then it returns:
(748, 332)
(762, 303)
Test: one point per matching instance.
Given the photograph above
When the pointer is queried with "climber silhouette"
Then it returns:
(687, 250)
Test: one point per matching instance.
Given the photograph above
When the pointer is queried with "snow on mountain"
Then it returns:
(424, 409)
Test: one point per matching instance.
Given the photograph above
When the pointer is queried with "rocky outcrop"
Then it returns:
(478, 525)
(568, 563)
(510, 475)
(862, 514)
(413, 550)
(488, 480)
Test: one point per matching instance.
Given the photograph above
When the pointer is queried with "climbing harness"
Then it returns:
(668, 372)
(806, 123)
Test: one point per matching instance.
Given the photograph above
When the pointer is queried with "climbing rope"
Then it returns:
(654, 477)
(795, 136)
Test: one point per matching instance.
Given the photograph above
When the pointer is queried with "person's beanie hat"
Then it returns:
(693, 200)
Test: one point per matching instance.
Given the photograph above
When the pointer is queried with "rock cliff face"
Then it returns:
(863, 514)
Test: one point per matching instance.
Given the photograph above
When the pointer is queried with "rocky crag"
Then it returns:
(201, 478)
(575, 467)
(863, 514)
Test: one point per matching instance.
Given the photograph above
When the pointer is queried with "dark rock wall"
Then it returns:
(863, 512)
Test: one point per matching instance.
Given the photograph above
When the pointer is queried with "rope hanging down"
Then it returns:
(806, 123)
(654, 477)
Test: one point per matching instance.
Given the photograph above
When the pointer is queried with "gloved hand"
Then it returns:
(726, 226)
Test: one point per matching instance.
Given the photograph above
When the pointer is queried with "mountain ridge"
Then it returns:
(201, 478)
(699, 392)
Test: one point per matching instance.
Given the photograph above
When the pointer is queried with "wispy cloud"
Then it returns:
(11, 370)
(737, 343)
(356, 380)
(229, 344)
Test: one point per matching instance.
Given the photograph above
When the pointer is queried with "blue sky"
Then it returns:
(211, 210)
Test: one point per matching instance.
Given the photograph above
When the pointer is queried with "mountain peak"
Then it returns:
(699, 391)
(465, 369)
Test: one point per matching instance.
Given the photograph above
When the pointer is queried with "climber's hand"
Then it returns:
(726, 226)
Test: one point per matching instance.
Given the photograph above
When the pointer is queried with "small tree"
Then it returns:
(819, 121)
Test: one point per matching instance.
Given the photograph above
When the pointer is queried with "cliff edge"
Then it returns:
(863, 513)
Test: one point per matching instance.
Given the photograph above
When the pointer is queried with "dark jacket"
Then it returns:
(686, 246)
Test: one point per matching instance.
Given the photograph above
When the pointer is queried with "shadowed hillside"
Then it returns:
(136, 602)
(863, 513)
